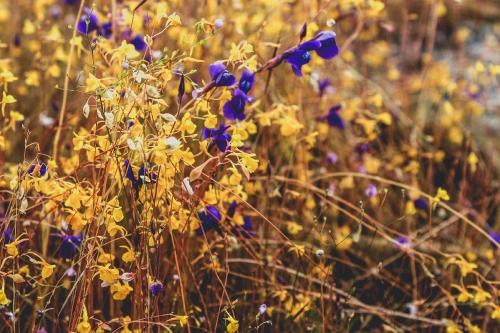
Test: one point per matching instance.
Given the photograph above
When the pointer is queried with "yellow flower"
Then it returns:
(472, 160)
(73, 200)
(464, 294)
(128, 256)
(125, 50)
(32, 78)
(233, 324)
(182, 320)
(120, 291)
(12, 247)
(452, 328)
(104, 257)
(495, 314)
(6, 77)
(441, 194)
(92, 83)
(481, 295)
(3, 296)
(174, 20)
(47, 269)
(108, 275)
(84, 325)
(7, 99)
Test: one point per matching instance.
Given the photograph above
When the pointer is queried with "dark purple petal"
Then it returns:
(139, 43)
(8, 237)
(371, 191)
(322, 85)
(496, 237)
(297, 60)
(421, 204)
(310, 45)
(402, 241)
(225, 79)
(70, 245)
(155, 288)
(209, 218)
(129, 173)
(232, 209)
(235, 108)
(206, 133)
(329, 48)
(106, 30)
(216, 69)
(222, 142)
(334, 120)
(247, 81)
(93, 22)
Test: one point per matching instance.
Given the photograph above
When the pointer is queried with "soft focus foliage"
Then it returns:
(240, 166)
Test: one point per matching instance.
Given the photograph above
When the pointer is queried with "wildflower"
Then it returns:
(70, 245)
(120, 291)
(402, 242)
(108, 275)
(84, 325)
(371, 191)
(332, 158)
(176, 277)
(91, 19)
(221, 76)
(245, 228)
(12, 247)
(464, 294)
(262, 309)
(139, 43)
(155, 288)
(324, 86)
(328, 47)
(496, 312)
(3, 297)
(496, 237)
(37, 170)
(421, 204)
(320, 252)
(47, 270)
(441, 194)
(219, 137)
(209, 218)
(333, 118)
(297, 58)
(7, 99)
(233, 324)
(235, 108)
(247, 81)
(218, 23)
(481, 295)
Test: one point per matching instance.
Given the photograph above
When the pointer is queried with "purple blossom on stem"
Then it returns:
(139, 43)
(331, 158)
(70, 245)
(421, 204)
(93, 22)
(333, 118)
(235, 108)
(371, 191)
(221, 76)
(219, 137)
(210, 218)
(155, 288)
(262, 309)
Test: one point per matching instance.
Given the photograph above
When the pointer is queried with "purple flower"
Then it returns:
(155, 288)
(328, 46)
(262, 309)
(209, 218)
(106, 30)
(245, 229)
(39, 172)
(402, 242)
(8, 237)
(421, 204)
(331, 158)
(139, 43)
(297, 59)
(235, 108)
(93, 22)
(232, 209)
(247, 81)
(221, 75)
(371, 191)
(322, 85)
(496, 237)
(70, 245)
(70, 2)
(333, 118)
(219, 137)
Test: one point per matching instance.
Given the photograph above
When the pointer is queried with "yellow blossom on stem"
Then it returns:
(481, 295)
(6, 77)
(233, 324)
(464, 294)
(3, 297)
(47, 270)
(441, 194)
(125, 50)
(7, 99)
(84, 325)
(108, 275)
(120, 291)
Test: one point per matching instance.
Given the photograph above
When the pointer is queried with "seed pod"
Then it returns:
(182, 89)
(303, 32)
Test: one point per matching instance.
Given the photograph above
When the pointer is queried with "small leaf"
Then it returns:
(17, 278)
(196, 172)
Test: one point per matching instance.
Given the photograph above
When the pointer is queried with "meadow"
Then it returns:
(249, 166)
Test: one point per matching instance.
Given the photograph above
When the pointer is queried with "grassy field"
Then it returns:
(249, 166)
